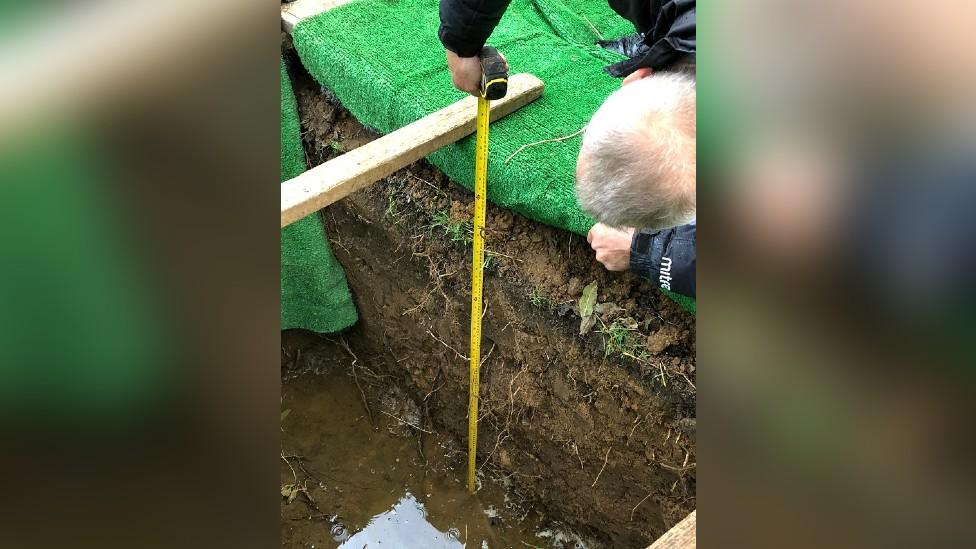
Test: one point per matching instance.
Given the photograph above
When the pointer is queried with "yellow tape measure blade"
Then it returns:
(477, 273)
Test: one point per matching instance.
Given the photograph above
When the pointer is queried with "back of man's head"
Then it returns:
(636, 166)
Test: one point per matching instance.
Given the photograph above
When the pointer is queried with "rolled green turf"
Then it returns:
(314, 292)
(384, 62)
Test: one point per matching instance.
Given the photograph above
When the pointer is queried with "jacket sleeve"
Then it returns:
(667, 29)
(466, 24)
(667, 257)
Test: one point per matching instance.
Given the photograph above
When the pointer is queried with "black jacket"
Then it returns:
(667, 28)
(667, 257)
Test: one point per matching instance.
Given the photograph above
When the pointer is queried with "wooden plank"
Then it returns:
(680, 536)
(293, 12)
(346, 174)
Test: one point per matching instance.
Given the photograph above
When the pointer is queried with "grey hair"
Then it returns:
(636, 165)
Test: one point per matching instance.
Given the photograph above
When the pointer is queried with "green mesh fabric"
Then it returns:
(383, 60)
(314, 293)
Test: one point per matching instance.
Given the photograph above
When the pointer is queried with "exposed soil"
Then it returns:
(597, 431)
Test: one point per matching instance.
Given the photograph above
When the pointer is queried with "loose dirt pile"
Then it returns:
(595, 430)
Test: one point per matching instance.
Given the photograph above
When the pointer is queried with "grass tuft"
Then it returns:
(538, 297)
(393, 192)
(623, 339)
(455, 230)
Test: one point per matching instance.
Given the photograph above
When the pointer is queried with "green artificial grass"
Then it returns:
(383, 60)
(314, 292)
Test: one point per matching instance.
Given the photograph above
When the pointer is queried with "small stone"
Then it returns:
(662, 339)
(504, 459)
(574, 287)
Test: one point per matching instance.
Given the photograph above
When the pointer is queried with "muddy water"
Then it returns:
(388, 486)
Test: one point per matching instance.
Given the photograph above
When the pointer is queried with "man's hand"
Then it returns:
(466, 72)
(612, 246)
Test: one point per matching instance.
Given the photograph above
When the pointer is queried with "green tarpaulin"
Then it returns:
(314, 293)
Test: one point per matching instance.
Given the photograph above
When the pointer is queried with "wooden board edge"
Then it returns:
(524, 88)
(681, 536)
(294, 12)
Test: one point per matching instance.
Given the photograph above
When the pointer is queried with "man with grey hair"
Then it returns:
(636, 168)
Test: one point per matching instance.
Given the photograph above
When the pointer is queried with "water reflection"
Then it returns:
(404, 525)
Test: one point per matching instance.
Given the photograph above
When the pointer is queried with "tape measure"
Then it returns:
(494, 85)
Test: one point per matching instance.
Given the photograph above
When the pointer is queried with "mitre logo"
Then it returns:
(665, 273)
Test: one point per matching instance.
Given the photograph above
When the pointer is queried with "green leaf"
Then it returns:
(588, 300)
(587, 324)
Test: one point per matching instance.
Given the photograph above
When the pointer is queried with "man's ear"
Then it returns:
(636, 75)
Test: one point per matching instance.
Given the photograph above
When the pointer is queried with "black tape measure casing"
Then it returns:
(494, 74)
